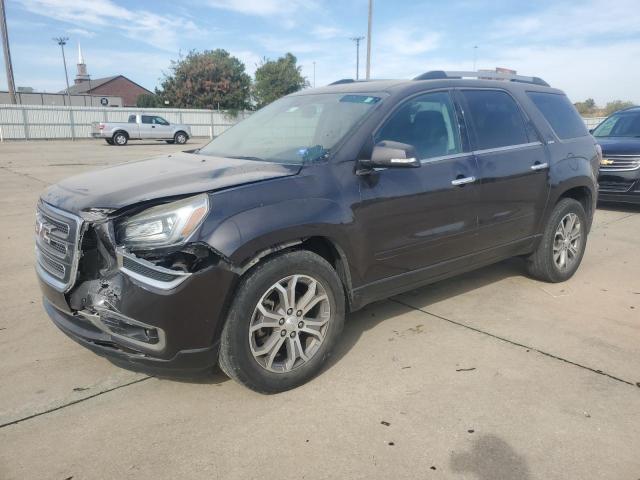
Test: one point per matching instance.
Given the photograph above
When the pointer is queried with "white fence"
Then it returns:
(592, 122)
(26, 122)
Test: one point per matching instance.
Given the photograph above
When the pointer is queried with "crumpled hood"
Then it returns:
(619, 145)
(164, 176)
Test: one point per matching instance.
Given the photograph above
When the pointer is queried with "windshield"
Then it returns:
(293, 129)
(620, 125)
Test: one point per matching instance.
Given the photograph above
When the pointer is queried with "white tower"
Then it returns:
(82, 75)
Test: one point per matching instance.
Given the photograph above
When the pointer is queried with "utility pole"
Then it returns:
(369, 40)
(314, 74)
(62, 41)
(357, 40)
(7, 54)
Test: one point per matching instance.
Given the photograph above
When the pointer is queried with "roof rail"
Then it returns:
(440, 74)
(344, 80)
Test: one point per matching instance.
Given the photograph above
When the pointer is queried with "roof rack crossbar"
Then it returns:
(440, 74)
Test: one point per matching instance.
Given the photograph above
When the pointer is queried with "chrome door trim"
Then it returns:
(540, 166)
(463, 181)
(507, 148)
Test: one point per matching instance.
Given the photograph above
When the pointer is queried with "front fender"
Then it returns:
(240, 237)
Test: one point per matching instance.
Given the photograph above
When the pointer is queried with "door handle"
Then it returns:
(153, 126)
(539, 166)
(458, 182)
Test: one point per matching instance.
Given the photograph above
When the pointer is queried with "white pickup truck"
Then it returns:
(141, 127)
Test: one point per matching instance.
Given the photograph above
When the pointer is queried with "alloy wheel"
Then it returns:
(289, 323)
(567, 242)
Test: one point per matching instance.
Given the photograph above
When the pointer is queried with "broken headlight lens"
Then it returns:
(164, 225)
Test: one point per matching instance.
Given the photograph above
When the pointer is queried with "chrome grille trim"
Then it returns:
(57, 237)
(621, 163)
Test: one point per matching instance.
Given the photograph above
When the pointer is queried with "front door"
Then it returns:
(513, 166)
(420, 217)
(161, 128)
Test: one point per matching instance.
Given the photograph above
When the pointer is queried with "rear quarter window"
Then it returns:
(560, 113)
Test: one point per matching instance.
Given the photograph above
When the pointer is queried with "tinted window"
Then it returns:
(496, 118)
(132, 119)
(427, 122)
(625, 124)
(146, 119)
(160, 121)
(560, 113)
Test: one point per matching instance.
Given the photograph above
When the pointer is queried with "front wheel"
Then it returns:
(563, 243)
(287, 316)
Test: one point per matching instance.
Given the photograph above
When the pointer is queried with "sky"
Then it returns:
(588, 48)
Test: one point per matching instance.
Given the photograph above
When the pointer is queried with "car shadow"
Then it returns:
(490, 458)
(618, 207)
(369, 317)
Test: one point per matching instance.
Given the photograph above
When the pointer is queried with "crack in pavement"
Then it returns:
(74, 402)
(512, 342)
(26, 175)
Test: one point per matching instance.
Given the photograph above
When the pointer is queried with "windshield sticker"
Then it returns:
(366, 99)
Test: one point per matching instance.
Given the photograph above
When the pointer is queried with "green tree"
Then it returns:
(209, 79)
(277, 78)
(616, 105)
(148, 100)
(588, 107)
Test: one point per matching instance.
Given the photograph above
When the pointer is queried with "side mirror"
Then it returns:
(388, 154)
(591, 130)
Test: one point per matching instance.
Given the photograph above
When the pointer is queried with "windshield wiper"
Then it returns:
(246, 157)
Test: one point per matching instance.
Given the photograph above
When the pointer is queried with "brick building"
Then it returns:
(116, 85)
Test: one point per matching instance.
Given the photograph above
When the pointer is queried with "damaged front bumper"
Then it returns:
(138, 312)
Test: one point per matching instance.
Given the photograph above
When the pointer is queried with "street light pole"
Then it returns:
(475, 56)
(369, 40)
(7, 54)
(357, 40)
(314, 74)
(62, 41)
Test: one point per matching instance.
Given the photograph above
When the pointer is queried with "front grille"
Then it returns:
(620, 163)
(57, 233)
(622, 186)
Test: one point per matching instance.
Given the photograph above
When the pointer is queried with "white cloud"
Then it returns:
(407, 41)
(157, 30)
(81, 32)
(265, 8)
(326, 32)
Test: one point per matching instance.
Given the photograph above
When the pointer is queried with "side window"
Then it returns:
(560, 113)
(427, 122)
(132, 119)
(496, 117)
(160, 121)
(146, 119)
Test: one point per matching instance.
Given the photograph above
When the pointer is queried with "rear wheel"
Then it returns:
(120, 138)
(286, 318)
(180, 138)
(563, 243)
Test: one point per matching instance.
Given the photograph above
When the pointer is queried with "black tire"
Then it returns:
(170, 142)
(120, 139)
(236, 358)
(109, 141)
(180, 138)
(541, 263)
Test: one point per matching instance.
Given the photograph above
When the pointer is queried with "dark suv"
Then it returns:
(619, 137)
(249, 252)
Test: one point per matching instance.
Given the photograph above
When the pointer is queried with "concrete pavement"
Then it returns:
(490, 375)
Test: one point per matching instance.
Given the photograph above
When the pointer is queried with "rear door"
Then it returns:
(419, 217)
(513, 167)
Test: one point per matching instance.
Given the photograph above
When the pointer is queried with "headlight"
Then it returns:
(164, 225)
